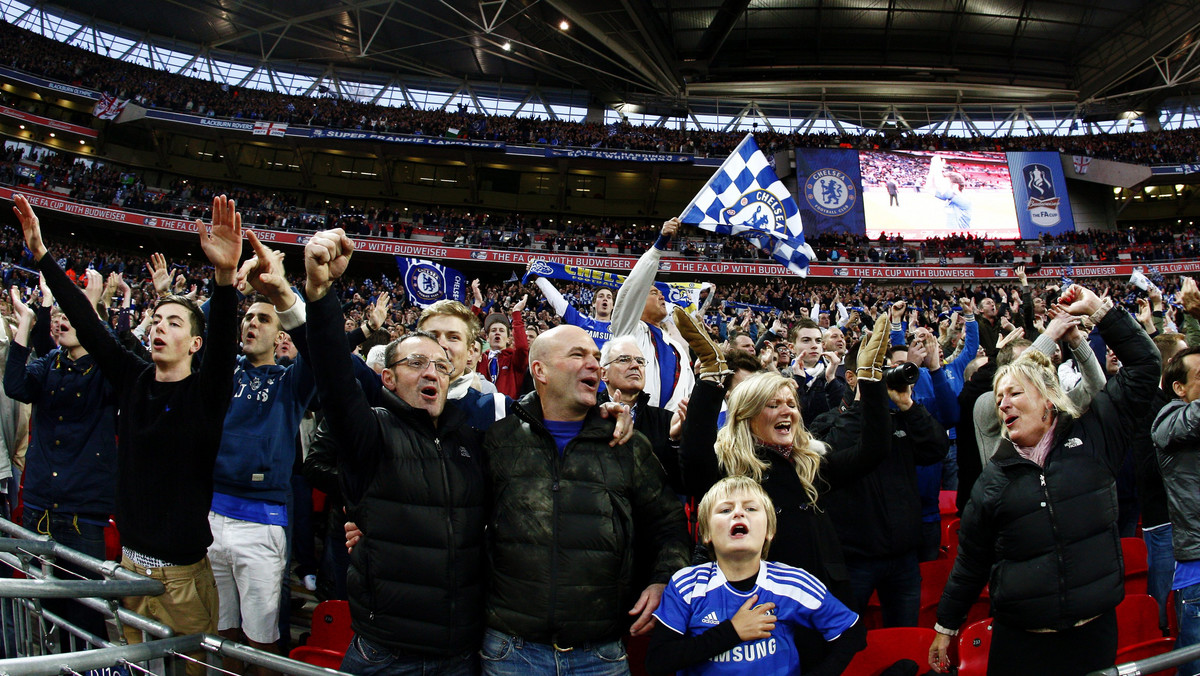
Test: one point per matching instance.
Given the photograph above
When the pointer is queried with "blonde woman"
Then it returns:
(1041, 524)
(764, 438)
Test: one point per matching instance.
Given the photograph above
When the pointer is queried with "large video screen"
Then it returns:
(923, 194)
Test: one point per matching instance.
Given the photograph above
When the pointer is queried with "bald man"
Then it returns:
(567, 503)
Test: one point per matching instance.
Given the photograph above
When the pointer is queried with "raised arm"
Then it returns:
(94, 336)
(631, 297)
(349, 416)
(552, 295)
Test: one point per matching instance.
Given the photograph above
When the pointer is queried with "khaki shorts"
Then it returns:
(188, 606)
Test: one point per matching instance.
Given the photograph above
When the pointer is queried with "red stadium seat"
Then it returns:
(973, 644)
(1141, 651)
(1133, 551)
(950, 537)
(331, 627)
(886, 646)
(1137, 620)
(318, 657)
(948, 504)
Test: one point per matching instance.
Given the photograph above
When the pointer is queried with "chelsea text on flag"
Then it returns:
(746, 198)
(427, 282)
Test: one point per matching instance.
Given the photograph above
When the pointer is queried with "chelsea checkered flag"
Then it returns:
(746, 198)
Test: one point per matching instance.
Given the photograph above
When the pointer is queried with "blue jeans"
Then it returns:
(898, 581)
(85, 538)
(1160, 557)
(503, 655)
(367, 659)
(1187, 606)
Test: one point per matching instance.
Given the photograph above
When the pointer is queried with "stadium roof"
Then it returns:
(887, 57)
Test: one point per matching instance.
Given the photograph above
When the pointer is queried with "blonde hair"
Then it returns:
(724, 490)
(1034, 369)
(453, 308)
(735, 447)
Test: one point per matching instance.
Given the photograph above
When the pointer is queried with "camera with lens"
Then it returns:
(901, 376)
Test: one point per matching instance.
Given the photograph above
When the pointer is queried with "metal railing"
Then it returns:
(39, 642)
(1152, 665)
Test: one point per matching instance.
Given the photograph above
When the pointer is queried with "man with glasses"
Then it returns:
(413, 471)
(623, 370)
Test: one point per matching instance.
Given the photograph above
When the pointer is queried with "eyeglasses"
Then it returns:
(625, 359)
(419, 362)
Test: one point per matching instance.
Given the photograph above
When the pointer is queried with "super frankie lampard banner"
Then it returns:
(427, 282)
(1040, 191)
(830, 196)
(684, 294)
(746, 198)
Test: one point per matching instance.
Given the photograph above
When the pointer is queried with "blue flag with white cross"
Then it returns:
(746, 199)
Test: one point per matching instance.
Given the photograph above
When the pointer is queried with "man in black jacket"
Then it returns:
(878, 517)
(623, 370)
(412, 465)
(569, 503)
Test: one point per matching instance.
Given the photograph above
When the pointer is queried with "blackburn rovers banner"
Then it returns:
(427, 282)
(684, 294)
(1040, 190)
(745, 198)
(830, 199)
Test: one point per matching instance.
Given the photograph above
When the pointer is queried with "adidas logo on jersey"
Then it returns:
(711, 618)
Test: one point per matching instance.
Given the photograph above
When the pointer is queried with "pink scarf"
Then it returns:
(1038, 452)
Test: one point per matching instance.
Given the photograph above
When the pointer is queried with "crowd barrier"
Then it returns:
(38, 642)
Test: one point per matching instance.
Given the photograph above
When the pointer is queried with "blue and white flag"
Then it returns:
(427, 282)
(746, 198)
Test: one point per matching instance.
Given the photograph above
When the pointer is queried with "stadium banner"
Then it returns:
(621, 155)
(427, 282)
(1175, 169)
(1040, 192)
(53, 202)
(919, 194)
(684, 294)
(830, 196)
(33, 80)
(202, 121)
(385, 137)
(30, 118)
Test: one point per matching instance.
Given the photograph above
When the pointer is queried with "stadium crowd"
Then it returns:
(97, 182)
(524, 367)
(527, 454)
(28, 52)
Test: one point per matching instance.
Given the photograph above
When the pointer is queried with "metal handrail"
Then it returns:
(80, 662)
(1151, 665)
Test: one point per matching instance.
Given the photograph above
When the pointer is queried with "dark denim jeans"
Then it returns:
(364, 658)
(898, 581)
(85, 538)
(1160, 557)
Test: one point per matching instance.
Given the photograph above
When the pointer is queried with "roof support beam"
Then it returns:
(719, 28)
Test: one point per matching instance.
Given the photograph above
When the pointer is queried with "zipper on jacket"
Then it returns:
(449, 521)
(1062, 592)
(555, 468)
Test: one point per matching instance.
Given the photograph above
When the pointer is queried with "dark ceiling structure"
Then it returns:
(879, 57)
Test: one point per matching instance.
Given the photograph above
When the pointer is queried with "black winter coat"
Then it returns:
(1045, 538)
(420, 497)
(563, 528)
(879, 515)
